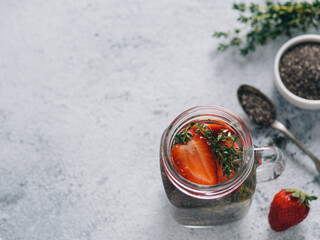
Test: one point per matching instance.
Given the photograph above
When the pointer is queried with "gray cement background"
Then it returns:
(86, 90)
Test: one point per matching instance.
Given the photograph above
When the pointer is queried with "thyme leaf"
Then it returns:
(229, 157)
(263, 23)
(184, 136)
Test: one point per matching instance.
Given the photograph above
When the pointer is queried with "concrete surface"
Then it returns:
(86, 90)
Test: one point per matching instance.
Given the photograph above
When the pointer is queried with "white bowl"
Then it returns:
(289, 96)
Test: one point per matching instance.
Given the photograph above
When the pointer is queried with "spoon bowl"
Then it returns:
(260, 109)
(256, 105)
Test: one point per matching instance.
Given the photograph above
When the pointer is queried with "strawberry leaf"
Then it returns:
(303, 197)
(295, 194)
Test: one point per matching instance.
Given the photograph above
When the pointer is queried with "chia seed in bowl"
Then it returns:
(300, 70)
(297, 71)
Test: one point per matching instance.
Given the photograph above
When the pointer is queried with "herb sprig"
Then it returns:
(229, 157)
(184, 136)
(262, 23)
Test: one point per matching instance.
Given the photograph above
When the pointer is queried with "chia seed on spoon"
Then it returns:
(257, 106)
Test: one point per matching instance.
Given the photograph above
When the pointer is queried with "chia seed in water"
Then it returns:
(300, 70)
(193, 212)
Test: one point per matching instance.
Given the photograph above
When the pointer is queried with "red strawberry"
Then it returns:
(195, 161)
(288, 208)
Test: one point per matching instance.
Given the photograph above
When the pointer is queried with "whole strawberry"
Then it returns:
(288, 208)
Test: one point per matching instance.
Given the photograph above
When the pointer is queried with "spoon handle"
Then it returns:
(279, 126)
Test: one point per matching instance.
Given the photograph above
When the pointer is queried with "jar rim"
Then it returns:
(198, 190)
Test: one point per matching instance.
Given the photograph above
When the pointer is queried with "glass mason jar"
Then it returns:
(195, 205)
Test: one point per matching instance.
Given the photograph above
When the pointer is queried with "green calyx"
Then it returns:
(304, 198)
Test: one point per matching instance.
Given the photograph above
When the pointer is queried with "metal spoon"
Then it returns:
(262, 111)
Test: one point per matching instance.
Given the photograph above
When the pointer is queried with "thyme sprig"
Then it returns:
(229, 157)
(184, 136)
(262, 23)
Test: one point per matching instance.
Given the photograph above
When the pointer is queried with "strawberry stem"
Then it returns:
(304, 198)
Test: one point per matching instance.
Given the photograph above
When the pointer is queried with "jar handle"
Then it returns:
(270, 163)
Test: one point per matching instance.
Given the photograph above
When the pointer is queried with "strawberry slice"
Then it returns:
(195, 161)
(193, 132)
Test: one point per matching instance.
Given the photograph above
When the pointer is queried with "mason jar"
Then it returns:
(196, 205)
